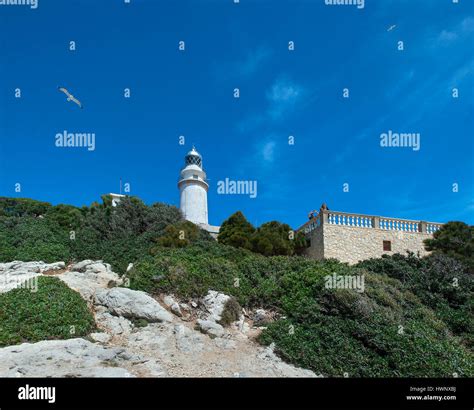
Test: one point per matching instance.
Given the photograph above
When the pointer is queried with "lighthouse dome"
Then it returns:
(193, 158)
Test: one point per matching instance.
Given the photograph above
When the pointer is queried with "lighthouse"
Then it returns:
(193, 189)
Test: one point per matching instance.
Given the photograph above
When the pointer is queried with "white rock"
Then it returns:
(279, 367)
(100, 337)
(113, 325)
(188, 341)
(15, 274)
(224, 343)
(89, 281)
(172, 305)
(81, 266)
(156, 337)
(61, 358)
(132, 304)
(169, 300)
(214, 303)
(211, 328)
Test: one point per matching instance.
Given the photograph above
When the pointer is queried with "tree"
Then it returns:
(65, 216)
(178, 235)
(273, 238)
(236, 231)
(455, 239)
(22, 207)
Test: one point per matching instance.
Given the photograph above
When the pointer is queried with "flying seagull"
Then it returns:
(70, 97)
(392, 27)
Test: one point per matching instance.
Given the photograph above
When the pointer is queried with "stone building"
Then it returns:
(355, 237)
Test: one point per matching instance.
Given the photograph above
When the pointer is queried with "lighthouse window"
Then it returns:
(195, 176)
(193, 160)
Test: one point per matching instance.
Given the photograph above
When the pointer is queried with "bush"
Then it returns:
(439, 281)
(236, 231)
(30, 238)
(454, 239)
(331, 331)
(231, 313)
(52, 312)
(272, 238)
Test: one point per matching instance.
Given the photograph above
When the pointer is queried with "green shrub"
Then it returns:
(439, 281)
(328, 331)
(271, 238)
(454, 239)
(54, 311)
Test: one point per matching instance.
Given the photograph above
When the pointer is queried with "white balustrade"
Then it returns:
(366, 221)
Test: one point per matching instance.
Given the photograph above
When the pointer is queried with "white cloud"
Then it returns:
(268, 151)
(254, 60)
(283, 96)
(246, 66)
(460, 30)
(447, 36)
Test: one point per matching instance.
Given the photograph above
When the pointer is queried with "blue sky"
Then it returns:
(282, 93)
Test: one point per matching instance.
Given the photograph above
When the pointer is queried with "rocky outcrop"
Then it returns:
(132, 304)
(87, 277)
(214, 304)
(15, 274)
(211, 328)
(61, 358)
(138, 337)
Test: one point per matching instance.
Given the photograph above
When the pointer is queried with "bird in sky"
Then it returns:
(70, 97)
(392, 27)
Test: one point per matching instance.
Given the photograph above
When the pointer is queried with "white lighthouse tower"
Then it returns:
(193, 189)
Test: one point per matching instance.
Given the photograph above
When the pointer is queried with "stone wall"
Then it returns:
(316, 248)
(353, 244)
(355, 237)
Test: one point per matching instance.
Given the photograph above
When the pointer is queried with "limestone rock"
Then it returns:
(172, 305)
(214, 303)
(211, 328)
(61, 358)
(224, 343)
(132, 304)
(91, 266)
(15, 274)
(188, 341)
(100, 337)
(113, 325)
(87, 277)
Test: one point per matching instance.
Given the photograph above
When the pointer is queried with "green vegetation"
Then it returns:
(384, 331)
(33, 230)
(440, 282)
(414, 317)
(455, 239)
(53, 311)
(270, 239)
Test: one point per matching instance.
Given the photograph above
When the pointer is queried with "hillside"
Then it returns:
(407, 320)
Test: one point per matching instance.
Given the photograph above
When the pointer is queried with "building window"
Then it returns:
(195, 177)
(387, 246)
